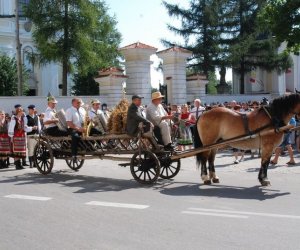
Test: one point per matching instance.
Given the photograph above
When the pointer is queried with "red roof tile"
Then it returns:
(138, 45)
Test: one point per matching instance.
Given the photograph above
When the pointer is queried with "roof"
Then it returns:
(196, 76)
(138, 45)
(175, 49)
(112, 71)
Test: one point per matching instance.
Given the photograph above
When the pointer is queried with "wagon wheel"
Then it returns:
(43, 157)
(145, 167)
(169, 168)
(75, 164)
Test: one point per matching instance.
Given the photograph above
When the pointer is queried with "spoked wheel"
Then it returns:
(145, 167)
(169, 168)
(75, 164)
(43, 157)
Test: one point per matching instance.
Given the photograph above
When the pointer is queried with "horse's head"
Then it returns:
(285, 106)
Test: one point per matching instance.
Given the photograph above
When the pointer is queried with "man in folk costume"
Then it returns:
(98, 118)
(156, 114)
(75, 117)
(50, 120)
(17, 132)
(34, 122)
(4, 140)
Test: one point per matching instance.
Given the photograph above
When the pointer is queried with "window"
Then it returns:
(22, 4)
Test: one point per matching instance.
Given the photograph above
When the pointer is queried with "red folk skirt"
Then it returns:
(19, 143)
(4, 145)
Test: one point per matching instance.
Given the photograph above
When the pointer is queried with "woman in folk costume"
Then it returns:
(17, 131)
(4, 140)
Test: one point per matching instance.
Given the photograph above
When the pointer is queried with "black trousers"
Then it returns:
(55, 131)
(76, 137)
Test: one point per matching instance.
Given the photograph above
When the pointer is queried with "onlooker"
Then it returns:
(286, 143)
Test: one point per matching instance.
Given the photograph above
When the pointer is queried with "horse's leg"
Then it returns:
(204, 175)
(211, 167)
(265, 161)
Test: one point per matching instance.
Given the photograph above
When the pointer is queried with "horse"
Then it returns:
(222, 124)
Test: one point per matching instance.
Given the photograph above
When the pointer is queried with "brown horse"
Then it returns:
(222, 124)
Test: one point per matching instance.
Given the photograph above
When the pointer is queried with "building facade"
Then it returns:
(42, 79)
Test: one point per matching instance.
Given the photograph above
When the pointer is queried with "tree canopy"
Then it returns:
(79, 34)
(283, 19)
(226, 33)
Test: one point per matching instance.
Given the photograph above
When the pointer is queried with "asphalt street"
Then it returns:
(102, 207)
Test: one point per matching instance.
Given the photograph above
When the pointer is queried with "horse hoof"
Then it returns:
(265, 183)
(216, 180)
(207, 182)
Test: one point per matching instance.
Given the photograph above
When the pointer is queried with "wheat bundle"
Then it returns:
(118, 118)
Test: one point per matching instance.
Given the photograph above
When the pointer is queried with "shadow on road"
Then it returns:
(222, 191)
(84, 183)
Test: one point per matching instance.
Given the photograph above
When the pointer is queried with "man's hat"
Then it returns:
(156, 95)
(95, 101)
(18, 106)
(31, 106)
(137, 97)
(51, 99)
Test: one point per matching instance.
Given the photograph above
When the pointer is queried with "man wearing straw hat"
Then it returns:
(156, 114)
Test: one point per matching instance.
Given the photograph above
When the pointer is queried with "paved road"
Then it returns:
(102, 207)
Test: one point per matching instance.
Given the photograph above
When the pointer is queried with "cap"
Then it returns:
(95, 101)
(137, 97)
(18, 106)
(31, 106)
(51, 99)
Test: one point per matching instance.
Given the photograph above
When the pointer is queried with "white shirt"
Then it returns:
(200, 111)
(77, 116)
(93, 113)
(155, 113)
(49, 115)
(12, 124)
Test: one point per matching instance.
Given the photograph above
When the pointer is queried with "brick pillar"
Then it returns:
(111, 85)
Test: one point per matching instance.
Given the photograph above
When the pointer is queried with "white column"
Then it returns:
(174, 68)
(195, 87)
(137, 65)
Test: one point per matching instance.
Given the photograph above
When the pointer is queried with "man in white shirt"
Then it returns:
(75, 117)
(197, 110)
(156, 114)
(98, 118)
(50, 120)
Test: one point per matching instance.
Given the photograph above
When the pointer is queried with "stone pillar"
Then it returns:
(174, 69)
(137, 65)
(111, 85)
(195, 87)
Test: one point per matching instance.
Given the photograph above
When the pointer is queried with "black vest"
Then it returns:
(32, 122)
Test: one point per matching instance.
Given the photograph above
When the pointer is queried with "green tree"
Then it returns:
(212, 83)
(9, 76)
(225, 33)
(283, 18)
(85, 85)
(79, 34)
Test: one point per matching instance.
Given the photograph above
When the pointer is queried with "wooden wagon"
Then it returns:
(147, 159)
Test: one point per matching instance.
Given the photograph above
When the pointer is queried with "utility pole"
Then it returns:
(18, 48)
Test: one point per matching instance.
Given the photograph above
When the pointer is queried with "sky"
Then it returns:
(145, 21)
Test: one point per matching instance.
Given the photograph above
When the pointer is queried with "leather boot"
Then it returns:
(24, 162)
(18, 164)
(1, 164)
(4, 164)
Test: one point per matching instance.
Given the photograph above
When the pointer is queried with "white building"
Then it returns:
(43, 79)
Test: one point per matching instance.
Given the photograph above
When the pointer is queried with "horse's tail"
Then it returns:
(197, 144)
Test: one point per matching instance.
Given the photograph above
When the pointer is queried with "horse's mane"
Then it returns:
(283, 105)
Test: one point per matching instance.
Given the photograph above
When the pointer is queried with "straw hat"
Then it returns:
(95, 101)
(156, 95)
